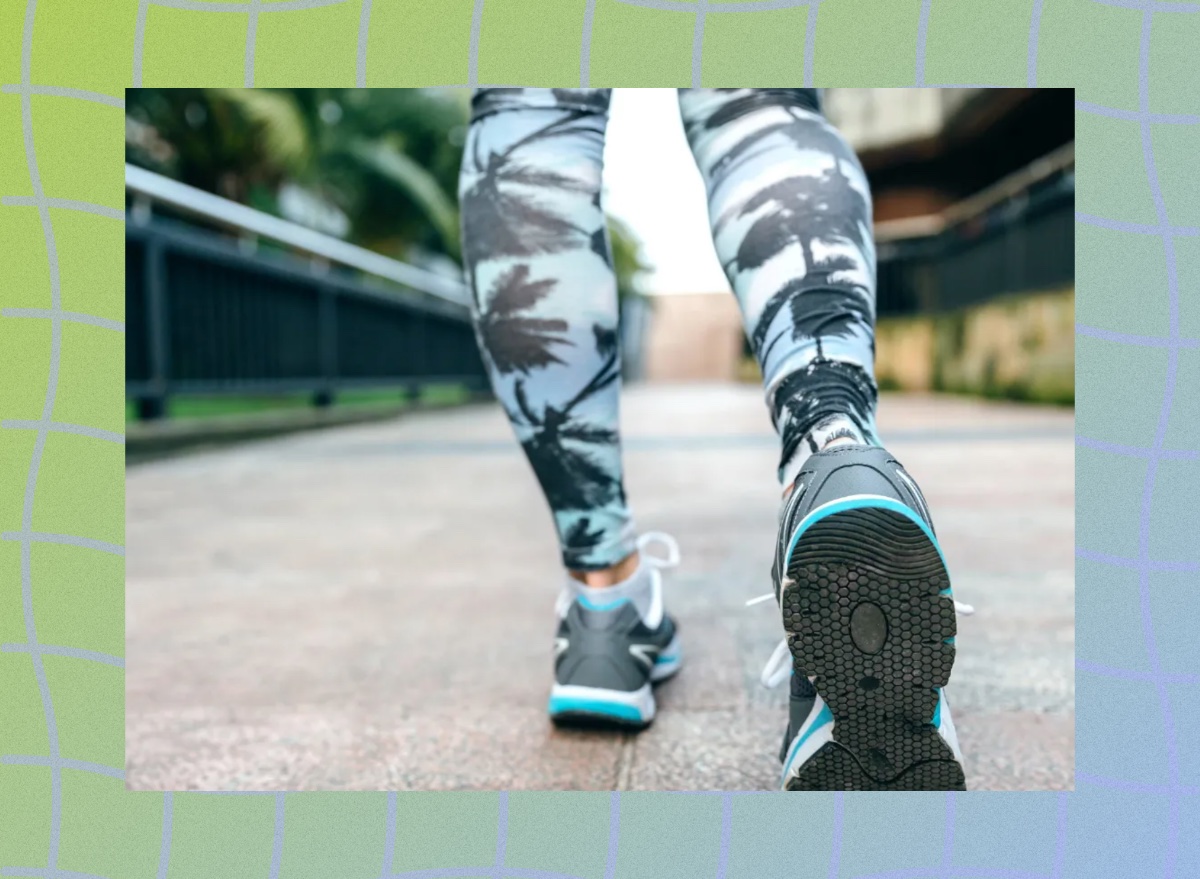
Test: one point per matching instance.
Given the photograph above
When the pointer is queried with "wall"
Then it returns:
(693, 337)
(874, 117)
(1018, 347)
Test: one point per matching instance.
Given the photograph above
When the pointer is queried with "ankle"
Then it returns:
(610, 576)
(831, 433)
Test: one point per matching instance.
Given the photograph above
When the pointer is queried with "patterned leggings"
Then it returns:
(791, 221)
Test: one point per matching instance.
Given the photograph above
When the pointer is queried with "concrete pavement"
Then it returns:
(370, 607)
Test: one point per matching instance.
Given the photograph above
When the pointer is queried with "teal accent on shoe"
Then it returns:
(859, 503)
(937, 712)
(670, 658)
(948, 640)
(561, 705)
(594, 605)
(825, 716)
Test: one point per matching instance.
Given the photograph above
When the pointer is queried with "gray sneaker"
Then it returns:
(866, 602)
(609, 655)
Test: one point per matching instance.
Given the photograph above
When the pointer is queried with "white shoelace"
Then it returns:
(657, 564)
(666, 540)
(779, 666)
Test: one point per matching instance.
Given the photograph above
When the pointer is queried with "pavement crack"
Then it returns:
(625, 761)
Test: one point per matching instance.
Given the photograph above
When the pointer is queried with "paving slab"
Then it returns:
(370, 606)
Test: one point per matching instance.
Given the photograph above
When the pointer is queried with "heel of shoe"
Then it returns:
(871, 621)
(572, 705)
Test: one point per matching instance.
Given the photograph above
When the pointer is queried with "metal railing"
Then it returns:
(149, 188)
(205, 314)
(1016, 236)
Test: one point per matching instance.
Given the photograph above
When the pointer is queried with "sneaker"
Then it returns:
(609, 655)
(870, 618)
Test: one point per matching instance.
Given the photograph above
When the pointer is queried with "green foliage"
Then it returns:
(626, 257)
(386, 159)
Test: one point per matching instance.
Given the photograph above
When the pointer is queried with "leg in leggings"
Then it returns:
(790, 212)
(545, 302)
(791, 219)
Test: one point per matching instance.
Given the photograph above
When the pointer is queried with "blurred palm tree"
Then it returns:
(386, 160)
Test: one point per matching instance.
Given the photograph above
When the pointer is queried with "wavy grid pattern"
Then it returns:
(64, 813)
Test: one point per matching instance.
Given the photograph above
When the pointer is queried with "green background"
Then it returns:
(63, 67)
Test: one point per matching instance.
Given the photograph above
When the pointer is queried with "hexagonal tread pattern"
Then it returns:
(867, 621)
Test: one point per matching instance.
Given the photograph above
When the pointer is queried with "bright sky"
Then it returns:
(652, 185)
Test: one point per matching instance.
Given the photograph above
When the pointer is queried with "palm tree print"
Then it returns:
(807, 131)
(595, 100)
(822, 389)
(738, 103)
(571, 477)
(599, 245)
(819, 309)
(801, 209)
(515, 340)
(532, 204)
(606, 341)
(502, 214)
(582, 536)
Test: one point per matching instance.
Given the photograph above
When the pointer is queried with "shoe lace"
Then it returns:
(657, 565)
(779, 666)
(667, 541)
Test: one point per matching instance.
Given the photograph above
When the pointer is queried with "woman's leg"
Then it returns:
(861, 581)
(545, 308)
(544, 299)
(791, 218)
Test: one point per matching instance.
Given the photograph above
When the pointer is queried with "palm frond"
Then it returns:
(417, 183)
(523, 402)
(588, 433)
(514, 173)
(513, 291)
(284, 129)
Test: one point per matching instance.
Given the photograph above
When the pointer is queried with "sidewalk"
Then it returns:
(371, 606)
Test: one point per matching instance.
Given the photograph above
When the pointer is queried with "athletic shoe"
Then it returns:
(870, 618)
(608, 655)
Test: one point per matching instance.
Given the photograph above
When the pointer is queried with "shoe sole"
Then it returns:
(597, 719)
(870, 618)
(595, 708)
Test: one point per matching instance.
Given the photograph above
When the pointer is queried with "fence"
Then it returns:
(1016, 236)
(208, 315)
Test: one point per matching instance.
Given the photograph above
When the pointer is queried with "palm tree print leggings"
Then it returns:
(790, 212)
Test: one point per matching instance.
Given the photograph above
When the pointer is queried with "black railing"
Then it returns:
(204, 317)
(1023, 242)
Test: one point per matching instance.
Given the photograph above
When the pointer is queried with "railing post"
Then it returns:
(419, 365)
(154, 405)
(1015, 232)
(326, 345)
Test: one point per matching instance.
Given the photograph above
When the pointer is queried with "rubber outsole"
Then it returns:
(600, 720)
(590, 720)
(869, 618)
